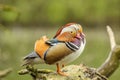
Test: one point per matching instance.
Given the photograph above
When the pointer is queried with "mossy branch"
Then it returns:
(75, 72)
(81, 72)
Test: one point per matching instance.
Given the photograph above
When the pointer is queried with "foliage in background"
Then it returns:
(8, 14)
(49, 12)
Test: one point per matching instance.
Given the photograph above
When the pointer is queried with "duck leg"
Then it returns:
(59, 70)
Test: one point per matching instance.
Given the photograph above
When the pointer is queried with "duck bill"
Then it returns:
(80, 35)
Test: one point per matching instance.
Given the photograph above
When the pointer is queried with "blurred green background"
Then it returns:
(22, 22)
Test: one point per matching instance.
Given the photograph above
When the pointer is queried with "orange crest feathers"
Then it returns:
(41, 46)
(60, 29)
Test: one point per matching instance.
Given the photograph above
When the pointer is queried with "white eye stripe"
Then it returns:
(74, 27)
(77, 26)
(67, 29)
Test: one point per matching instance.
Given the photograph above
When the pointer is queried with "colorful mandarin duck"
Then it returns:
(65, 47)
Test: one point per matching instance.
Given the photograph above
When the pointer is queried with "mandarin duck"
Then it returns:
(65, 47)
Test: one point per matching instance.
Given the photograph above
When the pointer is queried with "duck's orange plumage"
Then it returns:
(66, 37)
(59, 30)
(41, 46)
(66, 46)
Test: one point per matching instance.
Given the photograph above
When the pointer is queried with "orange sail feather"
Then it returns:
(41, 46)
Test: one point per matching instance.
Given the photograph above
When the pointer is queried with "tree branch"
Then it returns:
(111, 36)
(112, 62)
(75, 72)
(5, 72)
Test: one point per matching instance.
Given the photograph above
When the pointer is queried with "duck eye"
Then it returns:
(71, 32)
